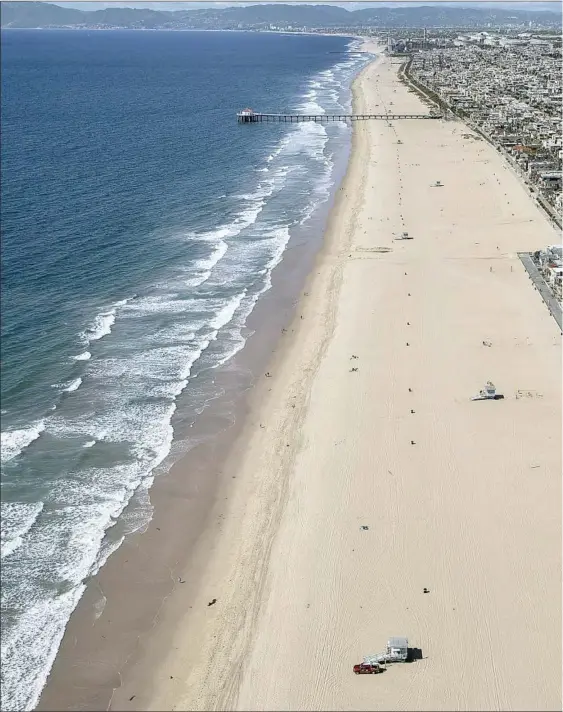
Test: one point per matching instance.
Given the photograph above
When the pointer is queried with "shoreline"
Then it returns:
(187, 504)
(290, 574)
(242, 496)
(294, 579)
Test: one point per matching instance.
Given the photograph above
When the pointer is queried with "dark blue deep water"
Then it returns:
(140, 225)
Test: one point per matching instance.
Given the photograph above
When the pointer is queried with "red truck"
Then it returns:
(367, 669)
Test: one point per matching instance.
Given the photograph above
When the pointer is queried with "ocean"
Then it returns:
(140, 227)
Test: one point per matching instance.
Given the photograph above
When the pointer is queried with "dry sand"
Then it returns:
(471, 510)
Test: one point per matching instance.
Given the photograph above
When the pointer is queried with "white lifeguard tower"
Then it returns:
(489, 392)
(397, 651)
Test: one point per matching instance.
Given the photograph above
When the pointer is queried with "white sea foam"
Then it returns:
(201, 269)
(100, 327)
(155, 371)
(99, 606)
(279, 148)
(86, 506)
(13, 442)
(84, 356)
(311, 98)
(309, 139)
(277, 240)
(159, 303)
(310, 105)
(72, 385)
(225, 314)
(29, 650)
(253, 203)
(130, 392)
(16, 520)
(138, 518)
(10, 546)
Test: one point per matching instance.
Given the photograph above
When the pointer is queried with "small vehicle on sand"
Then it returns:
(367, 668)
(397, 651)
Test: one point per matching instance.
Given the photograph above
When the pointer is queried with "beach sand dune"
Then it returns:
(462, 498)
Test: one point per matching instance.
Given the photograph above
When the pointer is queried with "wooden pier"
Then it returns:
(247, 116)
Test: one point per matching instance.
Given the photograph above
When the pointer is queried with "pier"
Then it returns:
(247, 116)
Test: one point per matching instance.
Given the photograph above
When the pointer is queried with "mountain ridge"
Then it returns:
(44, 15)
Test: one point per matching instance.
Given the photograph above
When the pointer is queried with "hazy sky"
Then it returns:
(167, 5)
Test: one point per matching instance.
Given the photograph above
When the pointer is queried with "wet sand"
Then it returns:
(461, 497)
(111, 634)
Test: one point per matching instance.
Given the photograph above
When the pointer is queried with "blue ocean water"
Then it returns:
(140, 225)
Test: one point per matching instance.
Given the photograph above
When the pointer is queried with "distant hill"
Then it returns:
(37, 14)
(47, 15)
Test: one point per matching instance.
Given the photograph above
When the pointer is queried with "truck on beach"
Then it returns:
(397, 651)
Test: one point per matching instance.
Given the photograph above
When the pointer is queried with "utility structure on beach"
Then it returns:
(248, 116)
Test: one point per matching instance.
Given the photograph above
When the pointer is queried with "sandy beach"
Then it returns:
(364, 419)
